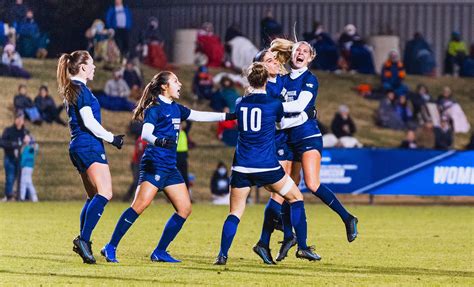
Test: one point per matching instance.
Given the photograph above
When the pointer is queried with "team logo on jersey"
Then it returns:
(309, 85)
(281, 152)
(103, 156)
(157, 177)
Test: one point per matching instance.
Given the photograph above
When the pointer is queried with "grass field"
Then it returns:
(397, 246)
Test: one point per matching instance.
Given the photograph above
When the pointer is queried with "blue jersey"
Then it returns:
(274, 90)
(256, 117)
(293, 87)
(166, 118)
(82, 139)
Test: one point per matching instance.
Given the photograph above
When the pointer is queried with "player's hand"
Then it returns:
(230, 116)
(311, 112)
(165, 143)
(118, 141)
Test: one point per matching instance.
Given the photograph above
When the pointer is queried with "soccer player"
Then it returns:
(86, 148)
(305, 140)
(255, 163)
(162, 117)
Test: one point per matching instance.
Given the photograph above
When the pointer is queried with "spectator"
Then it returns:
(22, 102)
(7, 34)
(119, 18)
(404, 110)
(152, 45)
(410, 141)
(228, 93)
(27, 164)
(11, 57)
(220, 185)
(342, 125)
(117, 87)
(138, 151)
(393, 74)
(345, 42)
(241, 52)
(387, 115)
(30, 40)
(360, 57)
(98, 36)
(455, 54)
(47, 107)
(467, 69)
(419, 99)
(233, 31)
(12, 139)
(210, 45)
(17, 13)
(133, 80)
(202, 83)
(269, 29)
(419, 57)
(425, 136)
(446, 99)
(325, 47)
(470, 145)
(443, 135)
(448, 107)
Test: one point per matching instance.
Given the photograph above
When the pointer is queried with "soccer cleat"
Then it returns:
(264, 253)
(109, 253)
(163, 256)
(308, 254)
(351, 228)
(84, 249)
(221, 260)
(285, 247)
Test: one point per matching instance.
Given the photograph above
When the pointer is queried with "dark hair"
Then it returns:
(257, 75)
(260, 55)
(21, 86)
(226, 79)
(68, 65)
(151, 93)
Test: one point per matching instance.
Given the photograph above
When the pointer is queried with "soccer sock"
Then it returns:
(93, 214)
(272, 212)
(286, 220)
(298, 220)
(172, 227)
(124, 223)
(228, 232)
(330, 199)
(83, 213)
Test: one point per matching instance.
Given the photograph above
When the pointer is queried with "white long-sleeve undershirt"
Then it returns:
(147, 133)
(287, 123)
(197, 116)
(94, 126)
(298, 105)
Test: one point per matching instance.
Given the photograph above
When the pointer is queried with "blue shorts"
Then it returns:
(298, 148)
(240, 179)
(82, 160)
(161, 178)
(283, 152)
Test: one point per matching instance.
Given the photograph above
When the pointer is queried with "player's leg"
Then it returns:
(238, 197)
(311, 161)
(179, 196)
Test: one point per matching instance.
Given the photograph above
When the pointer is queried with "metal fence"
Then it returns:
(435, 19)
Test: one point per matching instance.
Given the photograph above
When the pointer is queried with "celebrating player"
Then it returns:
(162, 117)
(86, 148)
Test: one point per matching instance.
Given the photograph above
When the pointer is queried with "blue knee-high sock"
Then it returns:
(228, 232)
(286, 220)
(272, 212)
(83, 213)
(172, 227)
(330, 199)
(124, 223)
(298, 220)
(93, 214)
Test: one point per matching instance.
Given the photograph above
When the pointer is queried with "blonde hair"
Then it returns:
(151, 93)
(284, 49)
(68, 65)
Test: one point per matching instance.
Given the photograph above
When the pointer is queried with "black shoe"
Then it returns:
(264, 253)
(221, 260)
(351, 228)
(308, 254)
(84, 249)
(285, 247)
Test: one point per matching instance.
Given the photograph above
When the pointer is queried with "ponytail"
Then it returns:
(150, 94)
(68, 65)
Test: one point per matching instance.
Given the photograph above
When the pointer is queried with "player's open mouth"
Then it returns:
(300, 59)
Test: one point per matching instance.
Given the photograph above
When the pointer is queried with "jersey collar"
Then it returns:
(256, 91)
(272, 80)
(295, 73)
(74, 78)
(165, 99)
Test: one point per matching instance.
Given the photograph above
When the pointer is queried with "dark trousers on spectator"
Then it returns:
(11, 170)
(121, 39)
(182, 165)
(135, 167)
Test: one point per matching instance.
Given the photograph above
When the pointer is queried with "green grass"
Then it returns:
(397, 246)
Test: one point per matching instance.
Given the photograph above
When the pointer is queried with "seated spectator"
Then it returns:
(152, 46)
(410, 140)
(467, 69)
(117, 87)
(7, 34)
(11, 57)
(325, 48)
(31, 42)
(342, 124)
(387, 115)
(345, 42)
(425, 135)
(97, 36)
(419, 57)
(210, 45)
(393, 74)
(220, 185)
(449, 108)
(227, 131)
(133, 80)
(47, 107)
(114, 97)
(17, 13)
(242, 51)
(269, 29)
(360, 57)
(446, 99)
(443, 135)
(228, 93)
(404, 111)
(22, 102)
(202, 83)
(455, 54)
(419, 99)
